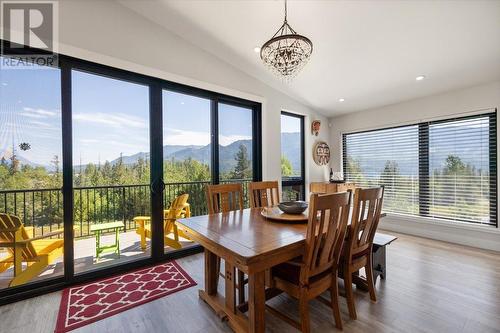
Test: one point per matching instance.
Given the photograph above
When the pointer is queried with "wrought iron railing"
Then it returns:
(43, 208)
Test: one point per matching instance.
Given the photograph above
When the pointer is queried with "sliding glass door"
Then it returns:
(92, 158)
(111, 190)
(31, 200)
(187, 158)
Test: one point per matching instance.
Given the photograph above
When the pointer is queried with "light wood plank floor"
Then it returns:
(431, 287)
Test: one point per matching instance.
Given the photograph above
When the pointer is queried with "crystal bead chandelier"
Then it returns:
(287, 52)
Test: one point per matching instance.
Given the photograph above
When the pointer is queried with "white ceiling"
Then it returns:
(368, 52)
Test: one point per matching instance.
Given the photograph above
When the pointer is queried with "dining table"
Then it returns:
(251, 243)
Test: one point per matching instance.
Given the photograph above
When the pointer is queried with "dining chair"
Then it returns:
(357, 251)
(263, 194)
(223, 198)
(307, 277)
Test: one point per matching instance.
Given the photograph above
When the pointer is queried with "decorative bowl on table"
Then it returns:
(293, 207)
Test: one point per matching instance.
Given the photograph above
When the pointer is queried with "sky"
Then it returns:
(109, 117)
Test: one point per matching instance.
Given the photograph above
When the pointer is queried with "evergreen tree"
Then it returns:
(286, 167)
(243, 168)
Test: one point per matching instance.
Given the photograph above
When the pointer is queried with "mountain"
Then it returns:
(201, 154)
(290, 147)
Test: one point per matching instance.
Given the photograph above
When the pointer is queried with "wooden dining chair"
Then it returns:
(315, 272)
(223, 198)
(264, 194)
(357, 251)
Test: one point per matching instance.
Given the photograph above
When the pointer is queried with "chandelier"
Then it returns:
(287, 51)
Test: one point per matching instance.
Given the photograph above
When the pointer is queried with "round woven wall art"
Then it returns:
(321, 153)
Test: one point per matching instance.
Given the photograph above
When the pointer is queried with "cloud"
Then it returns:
(39, 113)
(118, 120)
(89, 141)
(39, 123)
(174, 136)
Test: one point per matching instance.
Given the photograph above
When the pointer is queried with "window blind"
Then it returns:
(444, 169)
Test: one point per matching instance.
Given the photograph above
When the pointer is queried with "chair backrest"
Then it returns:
(263, 194)
(12, 229)
(326, 229)
(175, 210)
(364, 220)
(224, 198)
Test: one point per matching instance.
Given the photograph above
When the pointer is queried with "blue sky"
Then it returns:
(109, 117)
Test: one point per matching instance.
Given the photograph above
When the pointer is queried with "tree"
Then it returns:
(57, 171)
(14, 163)
(286, 167)
(454, 165)
(243, 167)
(354, 170)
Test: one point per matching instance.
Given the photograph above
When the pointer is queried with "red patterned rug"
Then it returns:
(88, 303)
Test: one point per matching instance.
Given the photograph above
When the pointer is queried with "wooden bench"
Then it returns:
(380, 241)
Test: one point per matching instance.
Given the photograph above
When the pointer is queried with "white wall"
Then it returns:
(108, 33)
(458, 102)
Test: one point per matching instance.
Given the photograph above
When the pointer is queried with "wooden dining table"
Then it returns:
(251, 243)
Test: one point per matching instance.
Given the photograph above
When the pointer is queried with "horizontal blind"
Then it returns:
(444, 169)
(386, 157)
(462, 154)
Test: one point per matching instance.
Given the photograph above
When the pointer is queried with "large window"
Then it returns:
(92, 156)
(444, 169)
(30, 171)
(292, 156)
(111, 169)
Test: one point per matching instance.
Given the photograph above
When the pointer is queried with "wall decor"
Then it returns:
(315, 127)
(321, 153)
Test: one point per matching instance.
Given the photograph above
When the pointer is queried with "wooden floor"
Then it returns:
(431, 287)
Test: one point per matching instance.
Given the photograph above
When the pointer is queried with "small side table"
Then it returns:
(98, 230)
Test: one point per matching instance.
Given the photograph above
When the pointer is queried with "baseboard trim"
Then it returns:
(475, 237)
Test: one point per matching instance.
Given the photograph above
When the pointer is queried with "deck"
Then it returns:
(85, 258)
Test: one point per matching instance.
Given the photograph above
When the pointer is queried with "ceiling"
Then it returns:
(367, 52)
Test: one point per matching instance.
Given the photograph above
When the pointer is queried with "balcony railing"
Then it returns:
(43, 208)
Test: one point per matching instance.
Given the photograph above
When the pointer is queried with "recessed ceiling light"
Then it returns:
(341, 100)
(256, 49)
(420, 77)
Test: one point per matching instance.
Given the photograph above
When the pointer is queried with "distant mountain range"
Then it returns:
(290, 147)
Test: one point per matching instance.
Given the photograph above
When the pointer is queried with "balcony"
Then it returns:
(42, 209)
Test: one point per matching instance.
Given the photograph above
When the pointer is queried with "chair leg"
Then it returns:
(304, 313)
(369, 279)
(334, 295)
(349, 294)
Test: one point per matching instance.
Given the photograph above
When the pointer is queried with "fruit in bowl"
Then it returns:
(293, 207)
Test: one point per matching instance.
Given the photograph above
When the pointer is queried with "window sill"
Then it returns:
(444, 223)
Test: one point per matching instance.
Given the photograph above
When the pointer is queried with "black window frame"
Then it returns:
(423, 164)
(296, 181)
(156, 85)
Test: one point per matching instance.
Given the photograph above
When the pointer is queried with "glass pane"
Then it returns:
(30, 168)
(291, 147)
(187, 153)
(459, 167)
(235, 145)
(388, 157)
(111, 170)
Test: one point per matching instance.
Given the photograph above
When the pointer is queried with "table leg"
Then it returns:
(211, 273)
(256, 302)
(230, 286)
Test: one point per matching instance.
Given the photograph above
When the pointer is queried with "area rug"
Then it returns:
(88, 303)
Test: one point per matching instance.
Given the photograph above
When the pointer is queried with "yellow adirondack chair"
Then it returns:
(178, 209)
(37, 252)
